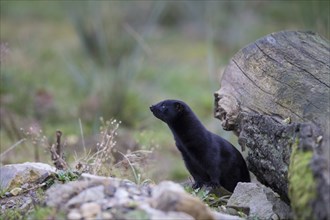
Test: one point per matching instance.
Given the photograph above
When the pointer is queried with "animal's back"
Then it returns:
(234, 168)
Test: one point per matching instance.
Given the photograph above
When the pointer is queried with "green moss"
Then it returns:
(302, 187)
(11, 214)
(46, 213)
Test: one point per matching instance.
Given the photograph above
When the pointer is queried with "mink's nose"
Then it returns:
(152, 108)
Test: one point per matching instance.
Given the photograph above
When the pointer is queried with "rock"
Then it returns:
(87, 176)
(15, 175)
(110, 190)
(121, 194)
(221, 216)
(95, 197)
(16, 191)
(90, 210)
(158, 190)
(87, 195)
(168, 196)
(262, 202)
(102, 198)
(24, 203)
(59, 194)
(74, 214)
(106, 215)
(155, 214)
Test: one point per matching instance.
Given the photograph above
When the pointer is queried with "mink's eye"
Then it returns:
(163, 108)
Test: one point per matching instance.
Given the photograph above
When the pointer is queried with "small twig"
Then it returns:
(58, 143)
(34, 187)
(56, 153)
(59, 163)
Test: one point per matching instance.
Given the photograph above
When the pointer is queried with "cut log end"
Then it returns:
(273, 92)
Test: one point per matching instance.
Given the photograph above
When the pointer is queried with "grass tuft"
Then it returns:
(99, 162)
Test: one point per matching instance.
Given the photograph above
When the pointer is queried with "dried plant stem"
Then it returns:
(58, 143)
(12, 147)
(56, 153)
(82, 136)
(132, 167)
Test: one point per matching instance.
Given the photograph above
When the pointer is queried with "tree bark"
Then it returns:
(275, 96)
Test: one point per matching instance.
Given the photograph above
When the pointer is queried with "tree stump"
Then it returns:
(275, 96)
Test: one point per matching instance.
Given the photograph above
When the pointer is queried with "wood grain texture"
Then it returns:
(273, 91)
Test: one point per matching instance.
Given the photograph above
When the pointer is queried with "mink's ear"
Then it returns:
(178, 107)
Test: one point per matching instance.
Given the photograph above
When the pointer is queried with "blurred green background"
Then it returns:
(65, 61)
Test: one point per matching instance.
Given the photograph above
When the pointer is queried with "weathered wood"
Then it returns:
(275, 96)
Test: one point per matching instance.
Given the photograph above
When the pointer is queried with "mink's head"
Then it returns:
(169, 110)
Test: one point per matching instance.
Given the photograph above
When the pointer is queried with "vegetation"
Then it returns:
(61, 69)
(301, 192)
(12, 214)
(39, 213)
(46, 213)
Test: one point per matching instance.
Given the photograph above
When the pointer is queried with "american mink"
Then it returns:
(210, 159)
